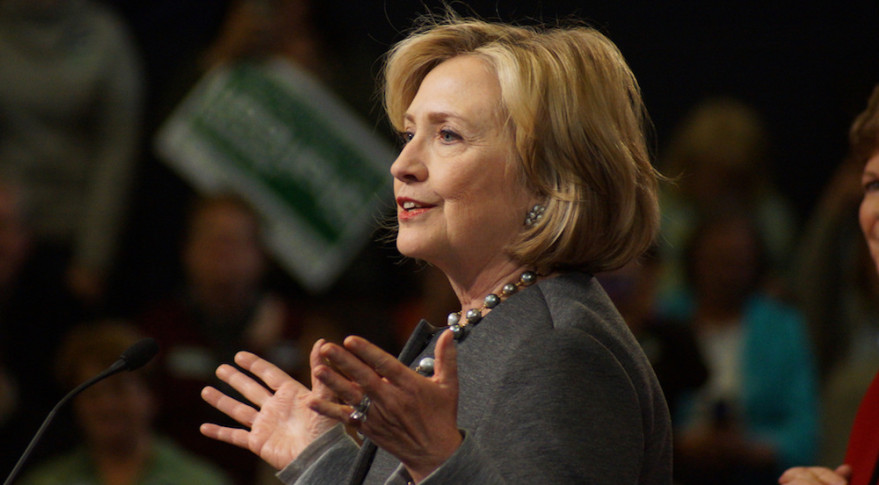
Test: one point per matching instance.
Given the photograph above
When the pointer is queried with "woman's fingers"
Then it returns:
(333, 410)
(316, 360)
(378, 361)
(350, 367)
(369, 366)
(254, 391)
(273, 376)
(447, 359)
(352, 373)
(233, 408)
(361, 368)
(812, 476)
(249, 388)
(339, 385)
(237, 437)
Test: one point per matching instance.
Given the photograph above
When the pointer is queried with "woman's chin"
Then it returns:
(408, 251)
(409, 246)
(417, 251)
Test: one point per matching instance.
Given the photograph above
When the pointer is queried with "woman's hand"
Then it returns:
(282, 423)
(411, 416)
(816, 476)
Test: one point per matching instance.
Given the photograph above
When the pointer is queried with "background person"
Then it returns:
(118, 445)
(861, 463)
(757, 414)
(222, 302)
(720, 154)
(70, 118)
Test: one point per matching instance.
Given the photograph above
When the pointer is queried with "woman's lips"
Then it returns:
(410, 208)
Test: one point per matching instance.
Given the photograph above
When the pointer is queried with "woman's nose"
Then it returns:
(409, 166)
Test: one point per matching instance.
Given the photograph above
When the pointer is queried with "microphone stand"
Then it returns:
(117, 367)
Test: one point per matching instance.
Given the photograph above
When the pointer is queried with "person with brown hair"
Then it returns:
(861, 465)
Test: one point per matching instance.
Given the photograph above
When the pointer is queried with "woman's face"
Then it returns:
(458, 200)
(869, 214)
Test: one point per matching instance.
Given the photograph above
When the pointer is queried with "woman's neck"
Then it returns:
(472, 289)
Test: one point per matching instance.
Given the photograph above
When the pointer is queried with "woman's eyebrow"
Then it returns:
(438, 117)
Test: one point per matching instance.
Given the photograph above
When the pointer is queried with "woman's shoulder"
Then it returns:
(578, 314)
(568, 314)
(577, 300)
(561, 301)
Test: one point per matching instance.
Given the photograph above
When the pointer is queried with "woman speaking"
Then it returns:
(524, 171)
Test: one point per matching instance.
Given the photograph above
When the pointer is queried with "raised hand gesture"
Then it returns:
(280, 422)
(411, 416)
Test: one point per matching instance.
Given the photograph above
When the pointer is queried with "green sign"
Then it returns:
(273, 134)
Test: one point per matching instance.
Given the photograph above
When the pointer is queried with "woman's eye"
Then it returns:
(449, 136)
(405, 137)
(871, 186)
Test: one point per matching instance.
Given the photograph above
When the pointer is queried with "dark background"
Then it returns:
(806, 67)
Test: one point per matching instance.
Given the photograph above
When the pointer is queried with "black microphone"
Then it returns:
(133, 358)
(138, 354)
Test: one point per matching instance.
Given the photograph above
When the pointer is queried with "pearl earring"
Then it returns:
(534, 215)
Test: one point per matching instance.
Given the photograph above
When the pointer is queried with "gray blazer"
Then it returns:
(553, 389)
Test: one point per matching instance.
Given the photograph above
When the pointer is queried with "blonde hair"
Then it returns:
(577, 124)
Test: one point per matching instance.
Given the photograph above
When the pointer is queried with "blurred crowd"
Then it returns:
(762, 325)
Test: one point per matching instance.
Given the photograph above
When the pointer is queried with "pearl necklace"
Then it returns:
(474, 315)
